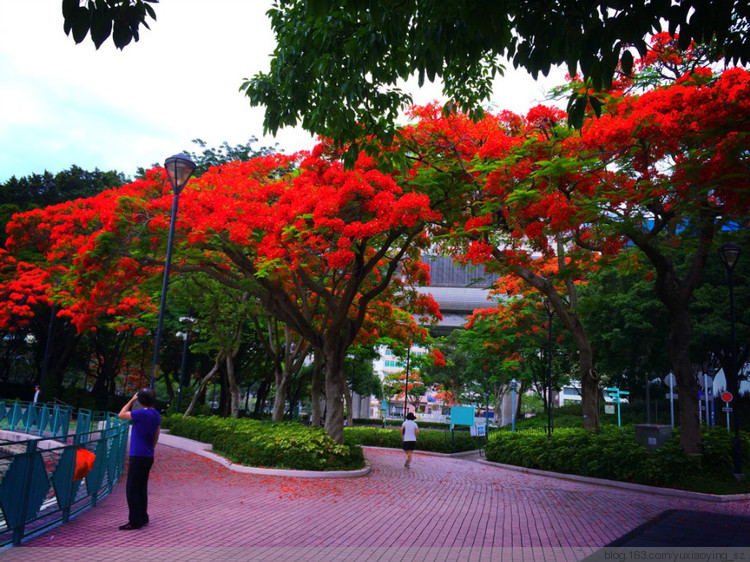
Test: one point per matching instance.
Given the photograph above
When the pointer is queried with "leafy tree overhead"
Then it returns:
(101, 18)
(338, 63)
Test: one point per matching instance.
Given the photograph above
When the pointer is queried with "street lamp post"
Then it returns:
(550, 312)
(179, 168)
(729, 253)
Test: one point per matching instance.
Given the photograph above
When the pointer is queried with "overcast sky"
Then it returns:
(63, 104)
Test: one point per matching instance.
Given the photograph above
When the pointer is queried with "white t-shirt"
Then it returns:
(410, 427)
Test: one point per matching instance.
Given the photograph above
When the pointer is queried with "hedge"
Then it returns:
(435, 441)
(614, 454)
(250, 442)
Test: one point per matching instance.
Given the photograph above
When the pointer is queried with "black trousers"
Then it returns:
(136, 490)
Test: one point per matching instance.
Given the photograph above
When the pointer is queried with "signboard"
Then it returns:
(727, 397)
(462, 415)
(609, 408)
(481, 430)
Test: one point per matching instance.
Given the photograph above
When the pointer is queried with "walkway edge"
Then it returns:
(204, 450)
(624, 485)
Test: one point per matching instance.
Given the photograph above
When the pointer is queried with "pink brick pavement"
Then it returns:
(440, 509)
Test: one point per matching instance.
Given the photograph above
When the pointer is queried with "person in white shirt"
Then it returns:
(409, 432)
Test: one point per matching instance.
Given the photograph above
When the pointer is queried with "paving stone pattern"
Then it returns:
(439, 509)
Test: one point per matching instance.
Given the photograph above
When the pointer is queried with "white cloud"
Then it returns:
(63, 104)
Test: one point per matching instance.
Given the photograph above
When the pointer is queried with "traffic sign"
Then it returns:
(727, 397)
(726, 409)
(670, 380)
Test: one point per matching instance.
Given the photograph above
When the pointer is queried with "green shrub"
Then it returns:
(614, 454)
(267, 444)
(435, 441)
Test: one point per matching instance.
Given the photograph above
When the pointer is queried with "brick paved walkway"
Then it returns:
(441, 508)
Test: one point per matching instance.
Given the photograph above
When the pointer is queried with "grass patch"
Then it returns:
(286, 445)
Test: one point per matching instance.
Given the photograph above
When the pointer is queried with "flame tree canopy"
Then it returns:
(547, 205)
(331, 252)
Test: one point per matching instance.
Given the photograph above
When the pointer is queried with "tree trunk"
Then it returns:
(260, 397)
(316, 414)
(687, 385)
(589, 389)
(202, 386)
(234, 389)
(335, 382)
(282, 386)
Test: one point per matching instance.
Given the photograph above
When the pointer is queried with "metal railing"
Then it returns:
(43, 479)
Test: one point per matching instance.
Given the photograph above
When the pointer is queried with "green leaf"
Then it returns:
(101, 26)
(122, 34)
(80, 23)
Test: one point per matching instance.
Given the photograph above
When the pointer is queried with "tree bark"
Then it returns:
(335, 382)
(289, 357)
(316, 414)
(234, 389)
(687, 385)
(202, 386)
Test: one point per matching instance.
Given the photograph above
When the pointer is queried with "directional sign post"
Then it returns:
(616, 394)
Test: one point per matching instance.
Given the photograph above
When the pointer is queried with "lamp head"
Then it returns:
(548, 307)
(729, 253)
(179, 169)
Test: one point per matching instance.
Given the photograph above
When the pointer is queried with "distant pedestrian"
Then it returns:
(409, 432)
(143, 439)
(37, 392)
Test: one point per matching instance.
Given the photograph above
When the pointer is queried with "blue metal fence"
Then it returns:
(41, 482)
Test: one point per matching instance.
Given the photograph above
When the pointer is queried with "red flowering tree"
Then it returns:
(35, 275)
(679, 176)
(321, 248)
(396, 385)
(508, 342)
(515, 218)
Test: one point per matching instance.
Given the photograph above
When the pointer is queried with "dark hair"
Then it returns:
(410, 416)
(147, 397)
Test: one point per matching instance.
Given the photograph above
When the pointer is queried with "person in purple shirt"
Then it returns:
(143, 438)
